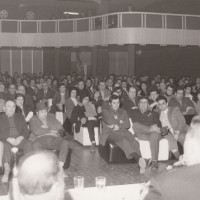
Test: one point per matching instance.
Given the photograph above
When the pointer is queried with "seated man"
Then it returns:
(81, 90)
(11, 91)
(104, 92)
(45, 93)
(45, 132)
(130, 101)
(182, 183)
(59, 99)
(183, 103)
(44, 181)
(146, 127)
(3, 97)
(169, 93)
(173, 121)
(32, 89)
(153, 95)
(13, 133)
(115, 128)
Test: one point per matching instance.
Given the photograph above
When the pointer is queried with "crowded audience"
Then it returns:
(157, 108)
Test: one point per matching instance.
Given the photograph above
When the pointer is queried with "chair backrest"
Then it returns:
(59, 117)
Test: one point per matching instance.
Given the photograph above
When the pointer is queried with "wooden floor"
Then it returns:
(90, 164)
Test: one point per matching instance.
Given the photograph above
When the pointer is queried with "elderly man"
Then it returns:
(45, 132)
(13, 133)
(182, 183)
(40, 177)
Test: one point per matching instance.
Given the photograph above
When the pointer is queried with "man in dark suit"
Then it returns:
(81, 90)
(109, 84)
(13, 133)
(183, 183)
(130, 102)
(59, 99)
(45, 93)
(146, 126)
(115, 128)
(32, 90)
(11, 91)
(183, 103)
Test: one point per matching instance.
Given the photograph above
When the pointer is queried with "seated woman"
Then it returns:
(21, 108)
(70, 103)
(115, 128)
(85, 115)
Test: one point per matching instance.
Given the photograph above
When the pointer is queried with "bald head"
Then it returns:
(40, 174)
(10, 107)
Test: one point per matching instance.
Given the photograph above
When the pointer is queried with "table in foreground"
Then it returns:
(117, 192)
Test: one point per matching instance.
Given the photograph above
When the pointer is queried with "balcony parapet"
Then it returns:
(115, 28)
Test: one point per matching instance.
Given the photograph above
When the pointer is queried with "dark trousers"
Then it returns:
(126, 142)
(142, 133)
(91, 124)
(25, 145)
(52, 143)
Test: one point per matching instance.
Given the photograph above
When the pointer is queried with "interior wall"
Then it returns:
(118, 62)
(21, 60)
(170, 60)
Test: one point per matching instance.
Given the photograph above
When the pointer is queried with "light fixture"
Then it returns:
(71, 13)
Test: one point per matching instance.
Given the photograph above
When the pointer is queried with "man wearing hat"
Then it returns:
(45, 132)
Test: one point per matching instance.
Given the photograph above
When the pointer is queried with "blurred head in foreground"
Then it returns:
(192, 143)
(40, 177)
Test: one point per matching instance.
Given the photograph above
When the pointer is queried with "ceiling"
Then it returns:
(45, 9)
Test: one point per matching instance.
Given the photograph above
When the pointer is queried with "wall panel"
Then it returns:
(16, 60)
(27, 60)
(37, 61)
(5, 60)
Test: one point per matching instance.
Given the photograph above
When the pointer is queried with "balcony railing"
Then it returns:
(136, 27)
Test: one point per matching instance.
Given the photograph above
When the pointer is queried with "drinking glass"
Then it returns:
(100, 182)
(79, 182)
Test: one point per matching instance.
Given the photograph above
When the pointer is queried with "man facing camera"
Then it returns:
(13, 133)
(146, 126)
(40, 177)
(115, 129)
(182, 183)
(45, 132)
